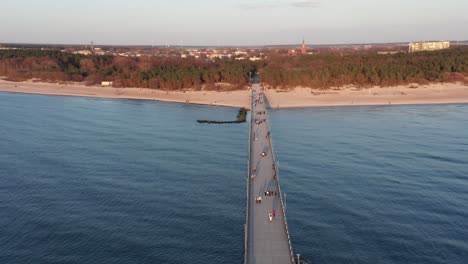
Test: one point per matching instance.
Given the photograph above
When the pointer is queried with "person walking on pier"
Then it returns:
(258, 199)
(274, 213)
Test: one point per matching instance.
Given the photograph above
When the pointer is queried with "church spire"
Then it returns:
(303, 49)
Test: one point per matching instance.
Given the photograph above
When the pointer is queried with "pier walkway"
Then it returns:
(265, 241)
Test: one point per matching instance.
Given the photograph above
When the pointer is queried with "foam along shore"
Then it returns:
(444, 93)
(236, 99)
(440, 93)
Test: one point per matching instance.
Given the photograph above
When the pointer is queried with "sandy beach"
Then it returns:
(231, 99)
(446, 93)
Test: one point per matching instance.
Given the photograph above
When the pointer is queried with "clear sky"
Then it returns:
(229, 22)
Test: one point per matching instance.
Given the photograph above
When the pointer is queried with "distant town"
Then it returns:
(254, 53)
(230, 68)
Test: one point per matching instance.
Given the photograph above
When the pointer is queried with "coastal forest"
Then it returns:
(321, 70)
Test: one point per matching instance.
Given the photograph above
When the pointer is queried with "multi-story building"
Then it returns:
(428, 46)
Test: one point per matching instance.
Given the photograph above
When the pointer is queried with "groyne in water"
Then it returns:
(241, 118)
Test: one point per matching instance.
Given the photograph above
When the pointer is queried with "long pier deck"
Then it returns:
(265, 241)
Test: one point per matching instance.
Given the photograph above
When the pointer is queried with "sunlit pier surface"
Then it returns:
(266, 240)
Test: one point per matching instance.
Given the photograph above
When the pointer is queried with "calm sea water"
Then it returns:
(123, 181)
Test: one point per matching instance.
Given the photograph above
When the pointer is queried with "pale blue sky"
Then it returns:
(229, 22)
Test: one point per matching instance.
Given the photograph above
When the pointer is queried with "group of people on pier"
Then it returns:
(271, 193)
(259, 121)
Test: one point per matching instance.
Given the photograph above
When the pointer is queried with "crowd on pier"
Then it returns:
(270, 190)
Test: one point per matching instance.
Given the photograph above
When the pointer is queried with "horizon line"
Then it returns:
(220, 46)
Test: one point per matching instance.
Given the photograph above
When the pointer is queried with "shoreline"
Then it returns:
(234, 99)
(439, 93)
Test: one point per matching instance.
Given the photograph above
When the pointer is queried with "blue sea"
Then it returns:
(86, 180)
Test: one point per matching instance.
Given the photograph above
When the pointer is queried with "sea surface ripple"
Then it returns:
(375, 184)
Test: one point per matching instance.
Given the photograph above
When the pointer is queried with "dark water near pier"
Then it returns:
(123, 181)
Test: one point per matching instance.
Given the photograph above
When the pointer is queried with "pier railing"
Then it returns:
(246, 226)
